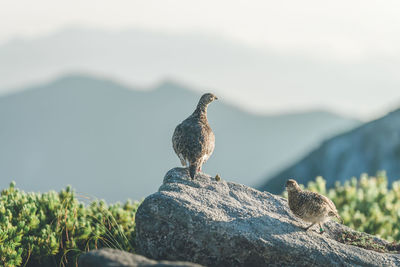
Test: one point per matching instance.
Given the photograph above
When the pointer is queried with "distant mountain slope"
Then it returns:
(372, 147)
(115, 143)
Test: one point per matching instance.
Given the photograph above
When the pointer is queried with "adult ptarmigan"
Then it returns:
(310, 206)
(193, 140)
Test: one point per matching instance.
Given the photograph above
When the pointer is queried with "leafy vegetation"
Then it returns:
(55, 228)
(366, 204)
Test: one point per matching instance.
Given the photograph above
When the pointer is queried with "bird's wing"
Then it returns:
(194, 140)
(187, 139)
(208, 143)
(176, 139)
(330, 203)
(333, 208)
(327, 201)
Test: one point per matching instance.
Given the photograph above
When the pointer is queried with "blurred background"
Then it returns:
(91, 91)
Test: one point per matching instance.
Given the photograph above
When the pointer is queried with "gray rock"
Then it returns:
(218, 223)
(108, 257)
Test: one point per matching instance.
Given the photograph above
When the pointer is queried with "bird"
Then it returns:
(310, 206)
(193, 140)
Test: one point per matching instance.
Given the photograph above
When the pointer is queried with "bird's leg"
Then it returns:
(321, 230)
(200, 165)
(308, 227)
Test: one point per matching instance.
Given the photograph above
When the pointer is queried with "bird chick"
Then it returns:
(310, 206)
(217, 178)
(193, 140)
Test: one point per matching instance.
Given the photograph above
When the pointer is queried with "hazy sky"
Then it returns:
(340, 30)
(344, 31)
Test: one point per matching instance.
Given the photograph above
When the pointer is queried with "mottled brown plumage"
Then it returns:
(310, 206)
(193, 140)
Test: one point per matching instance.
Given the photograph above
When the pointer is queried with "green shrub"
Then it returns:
(366, 204)
(56, 228)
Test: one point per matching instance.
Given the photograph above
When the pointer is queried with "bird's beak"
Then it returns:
(216, 98)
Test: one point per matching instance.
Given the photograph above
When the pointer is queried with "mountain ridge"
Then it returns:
(369, 148)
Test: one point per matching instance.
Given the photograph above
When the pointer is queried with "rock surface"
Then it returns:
(108, 257)
(218, 223)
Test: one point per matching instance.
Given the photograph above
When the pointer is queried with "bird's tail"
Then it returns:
(335, 214)
(192, 170)
(340, 218)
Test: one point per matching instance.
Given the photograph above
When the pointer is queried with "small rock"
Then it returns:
(108, 257)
